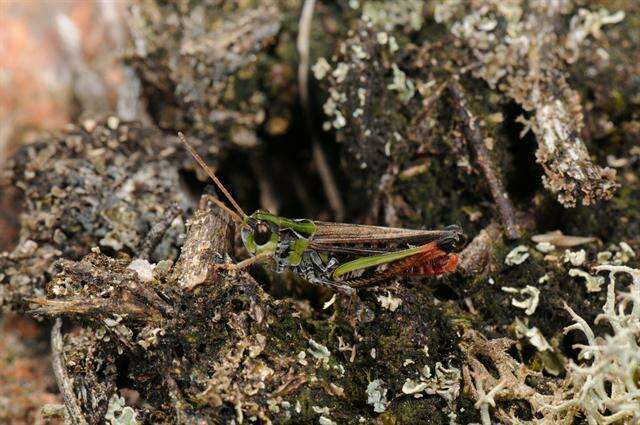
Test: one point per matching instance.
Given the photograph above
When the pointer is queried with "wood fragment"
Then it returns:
(475, 259)
(536, 77)
(558, 239)
(290, 385)
(208, 235)
(84, 306)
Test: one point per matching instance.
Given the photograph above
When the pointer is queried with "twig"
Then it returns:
(74, 412)
(88, 86)
(319, 158)
(157, 232)
(329, 184)
(474, 137)
(86, 307)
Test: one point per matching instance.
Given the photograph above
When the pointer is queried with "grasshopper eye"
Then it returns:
(262, 234)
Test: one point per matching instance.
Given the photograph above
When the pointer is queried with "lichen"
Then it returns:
(150, 317)
(377, 395)
(117, 184)
(522, 60)
(389, 302)
(517, 255)
(593, 283)
(603, 385)
(118, 413)
(531, 300)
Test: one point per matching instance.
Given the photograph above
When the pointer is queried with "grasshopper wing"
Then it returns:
(349, 235)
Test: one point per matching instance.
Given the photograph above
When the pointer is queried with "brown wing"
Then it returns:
(376, 238)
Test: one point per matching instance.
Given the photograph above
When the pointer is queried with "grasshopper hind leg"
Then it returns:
(338, 287)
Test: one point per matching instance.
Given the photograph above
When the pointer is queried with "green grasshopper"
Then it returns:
(340, 256)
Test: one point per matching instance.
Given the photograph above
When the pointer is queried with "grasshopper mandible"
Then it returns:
(340, 256)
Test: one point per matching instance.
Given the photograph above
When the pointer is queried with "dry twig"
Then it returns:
(74, 413)
(476, 140)
(319, 158)
(156, 233)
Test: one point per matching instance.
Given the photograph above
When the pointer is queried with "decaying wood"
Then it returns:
(475, 259)
(101, 245)
(527, 60)
(209, 237)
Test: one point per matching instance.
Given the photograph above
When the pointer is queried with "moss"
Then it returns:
(415, 411)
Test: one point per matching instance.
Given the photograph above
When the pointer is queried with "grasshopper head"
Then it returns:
(263, 231)
(453, 240)
(259, 236)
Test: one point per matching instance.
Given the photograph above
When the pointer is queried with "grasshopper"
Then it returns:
(339, 256)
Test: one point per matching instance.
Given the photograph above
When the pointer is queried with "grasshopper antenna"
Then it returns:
(238, 216)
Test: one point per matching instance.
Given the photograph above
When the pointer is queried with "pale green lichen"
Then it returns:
(318, 351)
(588, 23)
(401, 84)
(390, 14)
(341, 71)
(576, 258)
(594, 283)
(412, 387)
(545, 247)
(533, 335)
(389, 302)
(331, 109)
(382, 38)
(624, 255)
(377, 395)
(603, 257)
(517, 256)
(330, 302)
(321, 68)
(605, 387)
(531, 300)
(323, 420)
(118, 413)
(519, 51)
